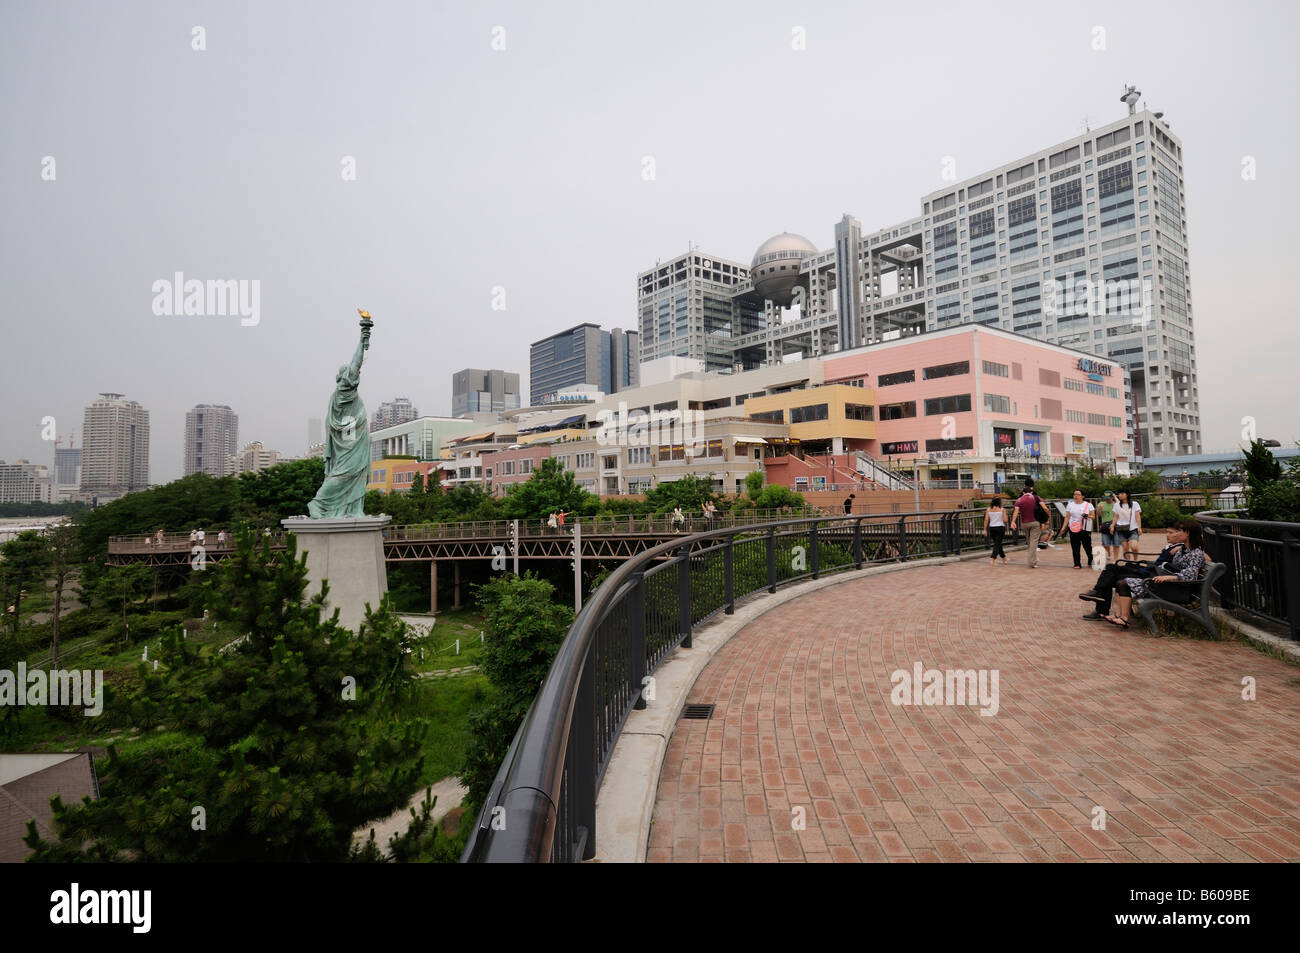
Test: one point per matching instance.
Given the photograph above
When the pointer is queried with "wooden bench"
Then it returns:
(1198, 609)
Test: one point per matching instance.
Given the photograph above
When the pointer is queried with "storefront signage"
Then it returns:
(1094, 369)
(900, 446)
(1002, 437)
(1031, 442)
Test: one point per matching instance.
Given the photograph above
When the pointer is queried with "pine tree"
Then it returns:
(266, 753)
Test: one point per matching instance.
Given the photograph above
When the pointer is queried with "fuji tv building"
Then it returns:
(1033, 247)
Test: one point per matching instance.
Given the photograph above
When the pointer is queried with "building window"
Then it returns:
(805, 415)
(638, 455)
(671, 451)
(859, 412)
(956, 404)
(946, 370)
(525, 466)
(1071, 384)
(899, 377)
(997, 370)
(898, 411)
(997, 403)
(585, 461)
(769, 416)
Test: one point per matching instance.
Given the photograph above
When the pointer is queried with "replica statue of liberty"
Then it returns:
(347, 441)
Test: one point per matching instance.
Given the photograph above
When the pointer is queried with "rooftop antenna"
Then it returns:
(1087, 124)
(1129, 97)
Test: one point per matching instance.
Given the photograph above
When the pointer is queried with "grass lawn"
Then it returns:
(440, 646)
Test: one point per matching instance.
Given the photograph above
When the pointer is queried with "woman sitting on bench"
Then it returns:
(1101, 592)
(1175, 579)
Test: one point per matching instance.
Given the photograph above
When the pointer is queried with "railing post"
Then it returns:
(1291, 580)
(636, 637)
(684, 596)
(729, 578)
(857, 543)
(771, 559)
(1228, 556)
(583, 739)
(902, 537)
(812, 549)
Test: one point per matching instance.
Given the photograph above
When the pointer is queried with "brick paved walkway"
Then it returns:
(1153, 730)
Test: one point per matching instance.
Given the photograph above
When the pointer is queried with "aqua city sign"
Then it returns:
(1094, 369)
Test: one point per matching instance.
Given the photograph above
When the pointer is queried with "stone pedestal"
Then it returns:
(349, 552)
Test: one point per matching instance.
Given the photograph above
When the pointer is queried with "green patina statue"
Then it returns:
(347, 442)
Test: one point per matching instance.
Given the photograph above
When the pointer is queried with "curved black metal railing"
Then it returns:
(542, 804)
(1263, 565)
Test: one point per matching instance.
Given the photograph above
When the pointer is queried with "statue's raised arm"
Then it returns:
(347, 441)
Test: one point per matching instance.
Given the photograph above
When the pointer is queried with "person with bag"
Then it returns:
(1030, 513)
(1078, 518)
(1106, 523)
(1128, 523)
(995, 527)
(1117, 572)
(1174, 581)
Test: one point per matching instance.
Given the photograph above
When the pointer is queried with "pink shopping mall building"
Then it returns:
(976, 404)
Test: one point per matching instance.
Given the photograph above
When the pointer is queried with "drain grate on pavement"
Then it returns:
(697, 712)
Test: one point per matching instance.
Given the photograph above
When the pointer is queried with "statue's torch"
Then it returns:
(367, 323)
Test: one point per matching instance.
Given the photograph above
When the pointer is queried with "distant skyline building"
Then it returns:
(115, 448)
(1081, 244)
(211, 436)
(584, 354)
(25, 482)
(67, 470)
(253, 457)
(315, 432)
(422, 438)
(400, 410)
(478, 391)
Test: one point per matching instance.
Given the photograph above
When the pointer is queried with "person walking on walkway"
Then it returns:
(1078, 517)
(995, 527)
(678, 519)
(848, 504)
(1106, 523)
(1128, 523)
(1031, 514)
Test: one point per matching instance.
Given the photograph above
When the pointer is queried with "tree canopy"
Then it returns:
(264, 752)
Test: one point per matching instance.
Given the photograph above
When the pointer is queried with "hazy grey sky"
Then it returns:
(521, 168)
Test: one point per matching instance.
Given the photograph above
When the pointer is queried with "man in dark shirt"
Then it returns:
(848, 504)
(1024, 515)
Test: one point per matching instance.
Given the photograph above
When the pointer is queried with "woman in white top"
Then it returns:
(995, 527)
(1128, 523)
(1078, 519)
